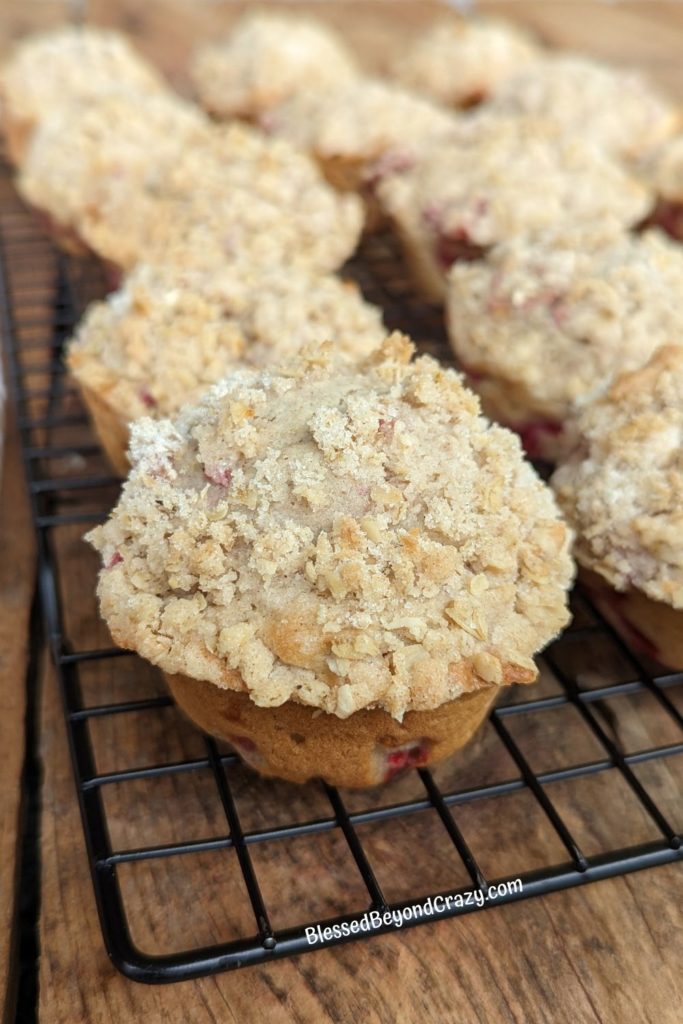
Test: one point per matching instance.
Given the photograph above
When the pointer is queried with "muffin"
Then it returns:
(460, 62)
(543, 325)
(622, 489)
(360, 131)
(62, 67)
(496, 178)
(663, 170)
(615, 108)
(167, 334)
(93, 169)
(200, 195)
(337, 566)
(268, 58)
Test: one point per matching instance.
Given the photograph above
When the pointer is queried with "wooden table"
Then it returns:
(610, 952)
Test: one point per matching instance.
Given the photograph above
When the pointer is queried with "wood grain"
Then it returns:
(605, 953)
(16, 588)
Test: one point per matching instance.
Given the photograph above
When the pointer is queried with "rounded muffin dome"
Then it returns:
(342, 536)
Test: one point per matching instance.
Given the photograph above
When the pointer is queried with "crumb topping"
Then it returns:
(364, 120)
(459, 62)
(268, 58)
(74, 64)
(340, 536)
(618, 109)
(586, 305)
(623, 486)
(167, 334)
(475, 187)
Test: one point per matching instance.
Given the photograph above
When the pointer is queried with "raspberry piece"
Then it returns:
(219, 475)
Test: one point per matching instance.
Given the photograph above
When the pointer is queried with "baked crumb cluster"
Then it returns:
(365, 120)
(623, 486)
(619, 110)
(343, 537)
(462, 62)
(65, 66)
(167, 334)
(553, 319)
(268, 58)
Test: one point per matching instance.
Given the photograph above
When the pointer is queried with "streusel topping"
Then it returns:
(268, 58)
(556, 318)
(239, 195)
(97, 167)
(618, 109)
(459, 62)
(341, 536)
(364, 120)
(167, 334)
(623, 486)
(496, 178)
(74, 64)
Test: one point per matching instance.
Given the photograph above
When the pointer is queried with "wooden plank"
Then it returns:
(606, 953)
(16, 586)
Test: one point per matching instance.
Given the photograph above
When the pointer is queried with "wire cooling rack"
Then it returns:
(42, 293)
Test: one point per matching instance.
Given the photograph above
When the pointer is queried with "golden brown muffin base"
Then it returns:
(347, 175)
(110, 427)
(651, 627)
(428, 277)
(17, 132)
(297, 743)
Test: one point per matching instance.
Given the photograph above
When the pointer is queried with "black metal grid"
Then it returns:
(41, 295)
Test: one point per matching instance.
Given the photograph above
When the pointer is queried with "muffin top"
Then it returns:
(343, 536)
(68, 65)
(462, 61)
(588, 305)
(616, 108)
(99, 164)
(623, 486)
(363, 120)
(167, 334)
(268, 58)
(236, 195)
(497, 177)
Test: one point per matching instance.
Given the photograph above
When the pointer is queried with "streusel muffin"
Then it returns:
(622, 489)
(68, 65)
(268, 58)
(496, 178)
(168, 333)
(543, 325)
(462, 61)
(360, 131)
(337, 566)
(663, 170)
(95, 168)
(616, 108)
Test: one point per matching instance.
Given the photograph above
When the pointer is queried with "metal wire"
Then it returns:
(53, 431)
